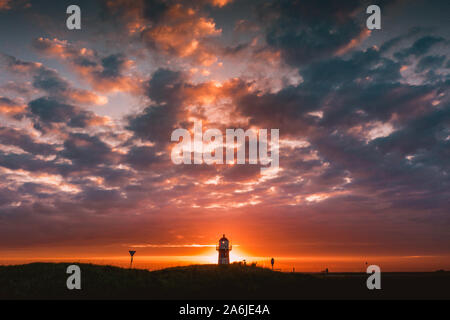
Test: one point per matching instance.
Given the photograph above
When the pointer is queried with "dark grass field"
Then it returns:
(48, 281)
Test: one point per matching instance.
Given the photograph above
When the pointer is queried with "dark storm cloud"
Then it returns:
(419, 47)
(113, 65)
(305, 31)
(7, 101)
(151, 9)
(354, 105)
(84, 149)
(286, 109)
(114, 176)
(100, 199)
(14, 137)
(27, 162)
(335, 72)
(49, 80)
(372, 170)
(7, 196)
(361, 88)
(33, 189)
(352, 93)
(395, 41)
(239, 173)
(157, 121)
(382, 164)
(430, 62)
(48, 111)
(422, 134)
(143, 158)
(154, 10)
(165, 85)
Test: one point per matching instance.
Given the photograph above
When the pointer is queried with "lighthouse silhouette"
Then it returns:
(224, 248)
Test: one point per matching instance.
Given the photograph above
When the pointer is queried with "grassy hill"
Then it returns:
(48, 281)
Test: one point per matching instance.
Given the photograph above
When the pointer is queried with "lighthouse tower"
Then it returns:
(224, 248)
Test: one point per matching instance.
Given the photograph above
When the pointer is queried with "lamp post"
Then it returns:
(132, 252)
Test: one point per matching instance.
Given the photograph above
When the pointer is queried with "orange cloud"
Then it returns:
(182, 33)
(85, 62)
(220, 3)
(10, 108)
(5, 4)
(99, 121)
(178, 29)
(9, 4)
(354, 42)
(86, 97)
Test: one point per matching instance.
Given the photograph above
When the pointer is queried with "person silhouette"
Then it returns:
(272, 262)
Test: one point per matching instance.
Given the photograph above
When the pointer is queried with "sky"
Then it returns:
(86, 118)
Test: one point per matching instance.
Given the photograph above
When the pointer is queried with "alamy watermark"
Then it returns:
(73, 22)
(74, 280)
(208, 147)
(374, 280)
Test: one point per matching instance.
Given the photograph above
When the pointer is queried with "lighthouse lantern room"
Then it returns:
(224, 248)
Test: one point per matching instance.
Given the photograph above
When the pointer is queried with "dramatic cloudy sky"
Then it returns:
(364, 119)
